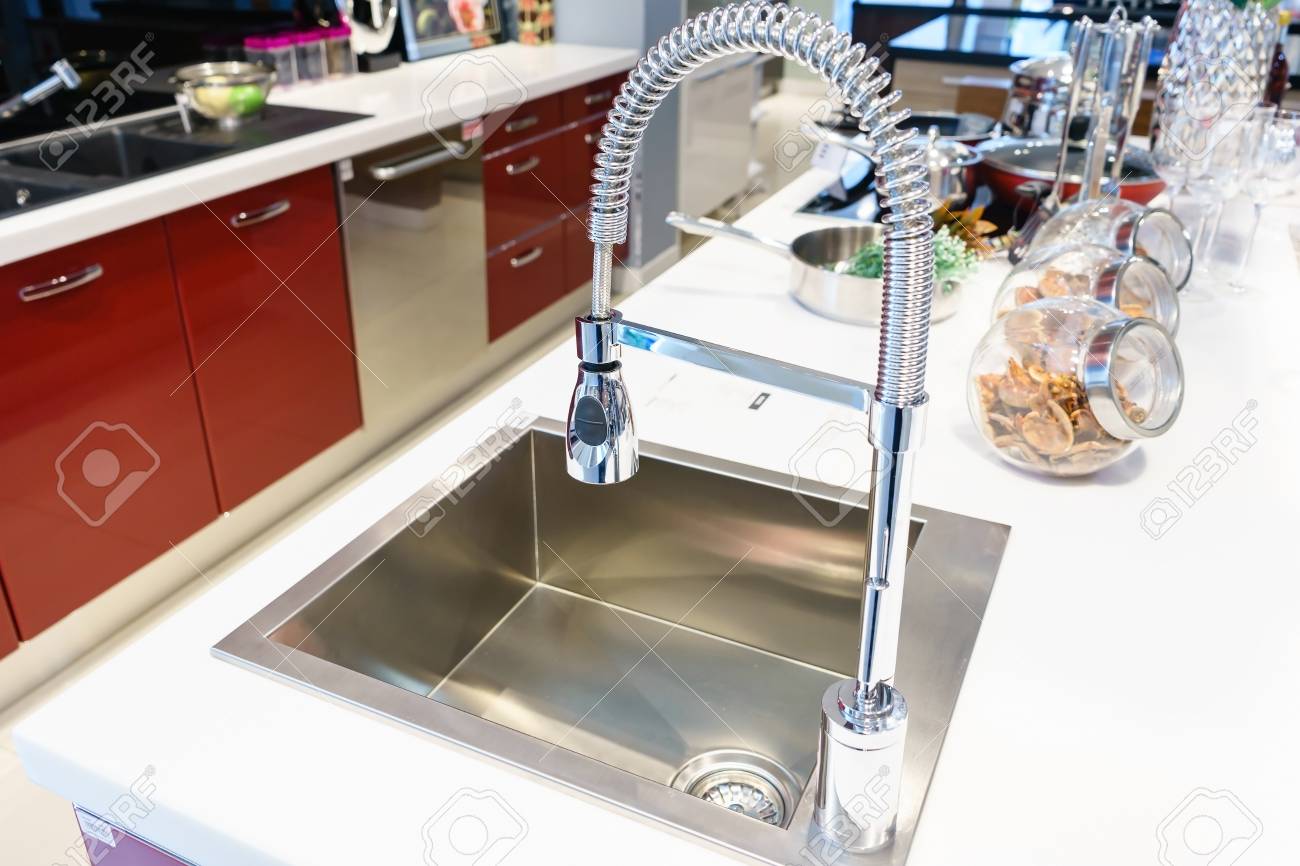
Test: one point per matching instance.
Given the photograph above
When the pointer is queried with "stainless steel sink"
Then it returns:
(662, 644)
(115, 152)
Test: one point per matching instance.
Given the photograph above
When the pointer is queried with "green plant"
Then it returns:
(953, 260)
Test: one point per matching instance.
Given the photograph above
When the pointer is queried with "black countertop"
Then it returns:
(992, 40)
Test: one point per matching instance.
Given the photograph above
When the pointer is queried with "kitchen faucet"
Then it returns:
(63, 77)
(864, 719)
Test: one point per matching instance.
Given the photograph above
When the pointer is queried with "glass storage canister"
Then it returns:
(309, 49)
(275, 52)
(1129, 227)
(1134, 285)
(340, 59)
(1067, 386)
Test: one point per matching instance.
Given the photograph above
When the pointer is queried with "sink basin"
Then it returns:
(19, 193)
(654, 644)
(115, 152)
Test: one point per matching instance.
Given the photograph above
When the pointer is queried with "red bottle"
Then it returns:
(1279, 73)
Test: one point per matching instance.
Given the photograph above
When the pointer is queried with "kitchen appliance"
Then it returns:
(417, 271)
(431, 28)
(717, 133)
(374, 25)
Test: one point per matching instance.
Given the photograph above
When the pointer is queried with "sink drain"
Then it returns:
(743, 782)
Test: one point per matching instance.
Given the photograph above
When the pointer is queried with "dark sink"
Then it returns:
(18, 194)
(115, 153)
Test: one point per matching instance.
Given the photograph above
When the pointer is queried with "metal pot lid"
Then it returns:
(944, 153)
(1035, 159)
(1048, 71)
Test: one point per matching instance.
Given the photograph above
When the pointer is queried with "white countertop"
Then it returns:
(1114, 674)
(402, 103)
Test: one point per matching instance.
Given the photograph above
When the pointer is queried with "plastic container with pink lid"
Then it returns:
(340, 59)
(275, 51)
(309, 51)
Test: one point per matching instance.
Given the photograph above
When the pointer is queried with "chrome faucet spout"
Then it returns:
(62, 77)
(864, 719)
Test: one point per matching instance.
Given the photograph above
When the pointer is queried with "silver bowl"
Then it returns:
(227, 92)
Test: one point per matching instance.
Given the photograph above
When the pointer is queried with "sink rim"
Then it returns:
(248, 646)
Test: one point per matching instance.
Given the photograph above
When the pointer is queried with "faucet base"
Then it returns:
(861, 762)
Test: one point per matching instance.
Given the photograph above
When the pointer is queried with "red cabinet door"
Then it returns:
(522, 189)
(102, 447)
(515, 124)
(525, 278)
(274, 362)
(8, 633)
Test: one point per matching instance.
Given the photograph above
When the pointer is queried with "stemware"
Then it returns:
(1270, 166)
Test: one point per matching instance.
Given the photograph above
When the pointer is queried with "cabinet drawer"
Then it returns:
(102, 445)
(579, 251)
(275, 368)
(594, 97)
(8, 633)
(580, 148)
(125, 850)
(509, 126)
(524, 279)
(521, 189)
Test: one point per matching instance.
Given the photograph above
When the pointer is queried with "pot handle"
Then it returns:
(711, 228)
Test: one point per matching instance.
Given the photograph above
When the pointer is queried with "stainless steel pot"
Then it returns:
(814, 257)
(1040, 88)
(952, 167)
(818, 260)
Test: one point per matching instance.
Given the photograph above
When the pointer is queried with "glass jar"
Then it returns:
(1134, 285)
(1067, 386)
(1129, 227)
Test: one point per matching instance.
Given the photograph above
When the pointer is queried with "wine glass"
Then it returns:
(1270, 166)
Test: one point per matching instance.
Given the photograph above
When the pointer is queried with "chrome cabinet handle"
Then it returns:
(592, 98)
(527, 258)
(524, 167)
(252, 217)
(408, 165)
(522, 123)
(61, 284)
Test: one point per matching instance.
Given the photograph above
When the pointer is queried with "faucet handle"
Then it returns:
(67, 76)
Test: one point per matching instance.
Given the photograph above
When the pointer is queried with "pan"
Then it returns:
(1020, 171)
(818, 260)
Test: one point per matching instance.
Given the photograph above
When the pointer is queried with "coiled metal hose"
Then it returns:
(901, 174)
